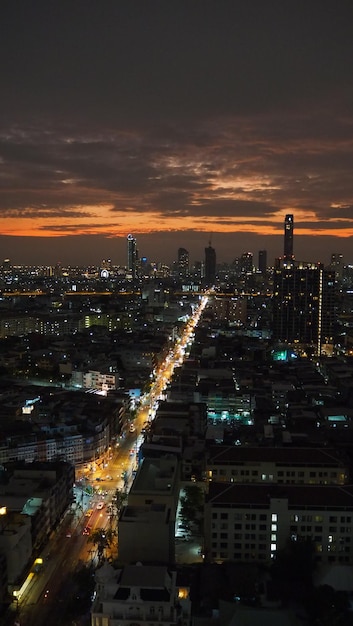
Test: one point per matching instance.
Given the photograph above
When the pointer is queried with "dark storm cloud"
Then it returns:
(71, 229)
(152, 60)
(340, 224)
(149, 171)
(42, 213)
(233, 208)
(228, 111)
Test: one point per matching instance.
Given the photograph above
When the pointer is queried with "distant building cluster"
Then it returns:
(246, 456)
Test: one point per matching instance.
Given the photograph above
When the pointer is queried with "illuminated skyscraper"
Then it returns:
(210, 266)
(132, 256)
(288, 238)
(183, 262)
(246, 263)
(304, 306)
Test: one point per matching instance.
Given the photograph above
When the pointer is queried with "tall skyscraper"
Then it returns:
(337, 265)
(246, 263)
(288, 238)
(132, 256)
(262, 261)
(210, 266)
(304, 306)
(183, 262)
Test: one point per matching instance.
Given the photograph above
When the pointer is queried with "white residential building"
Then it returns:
(139, 594)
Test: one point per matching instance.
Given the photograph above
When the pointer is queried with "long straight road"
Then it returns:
(48, 594)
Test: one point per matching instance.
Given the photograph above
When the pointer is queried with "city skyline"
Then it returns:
(177, 124)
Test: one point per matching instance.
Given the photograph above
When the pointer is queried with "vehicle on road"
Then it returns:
(100, 505)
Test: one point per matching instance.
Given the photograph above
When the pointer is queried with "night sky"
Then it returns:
(177, 121)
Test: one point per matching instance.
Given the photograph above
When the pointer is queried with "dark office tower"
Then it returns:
(288, 238)
(337, 265)
(143, 266)
(183, 263)
(304, 307)
(199, 270)
(263, 261)
(246, 263)
(210, 266)
(58, 270)
(131, 256)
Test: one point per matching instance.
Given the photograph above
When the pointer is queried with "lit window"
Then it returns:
(274, 517)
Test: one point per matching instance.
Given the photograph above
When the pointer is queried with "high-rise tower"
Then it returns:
(262, 261)
(288, 238)
(337, 265)
(304, 306)
(131, 256)
(210, 265)
(183, 262)
(246, 263)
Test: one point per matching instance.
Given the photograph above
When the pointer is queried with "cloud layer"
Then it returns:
(180, 118)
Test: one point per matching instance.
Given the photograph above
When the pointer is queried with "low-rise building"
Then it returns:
(146, 525)
(40, 492)
(139, 594)
(146, 533)
(269, 464)
(253, 522)
(16, 546)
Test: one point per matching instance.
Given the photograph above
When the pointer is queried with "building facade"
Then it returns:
(210, 266)
(262, 264)
(276, 465)
(139, 594)
(132, 256)
(304, 306)
(245, 523)
(183, 263)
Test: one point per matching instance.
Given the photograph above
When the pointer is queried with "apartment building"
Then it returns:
(253, 522)
(101, 380)
(32, 503)
(16, 546)
(139, 594)
(282, 465)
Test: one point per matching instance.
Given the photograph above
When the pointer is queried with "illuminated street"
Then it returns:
(45, 591)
